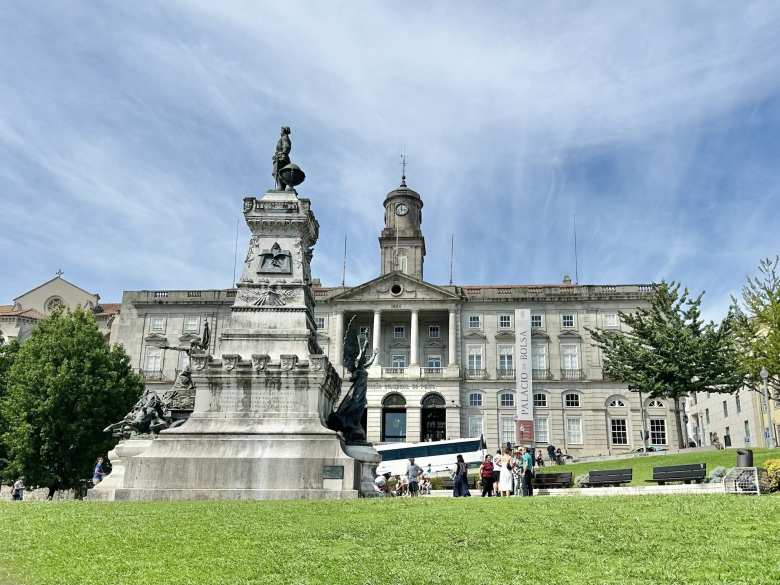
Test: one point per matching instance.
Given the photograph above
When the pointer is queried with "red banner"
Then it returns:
(524, 433)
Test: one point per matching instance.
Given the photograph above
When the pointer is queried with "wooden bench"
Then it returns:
(553, 480)
(686, 473)
(609, 477)
(447, 483)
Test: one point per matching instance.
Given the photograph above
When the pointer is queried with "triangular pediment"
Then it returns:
(396, 286)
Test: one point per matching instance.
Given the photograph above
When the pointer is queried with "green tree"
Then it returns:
(757, 326)
(8, 353)
(669, 351)
(64, 387)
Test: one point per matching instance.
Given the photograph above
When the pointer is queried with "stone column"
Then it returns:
(377, 335)
(452, 352)
(414, 350)
(338, 338)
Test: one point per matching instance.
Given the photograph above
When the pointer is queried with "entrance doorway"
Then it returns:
(433, 418)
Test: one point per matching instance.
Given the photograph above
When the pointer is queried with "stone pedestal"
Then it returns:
(366, 461)
(258, 429)
(106, 489)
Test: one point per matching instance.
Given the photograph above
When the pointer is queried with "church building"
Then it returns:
(453, 361)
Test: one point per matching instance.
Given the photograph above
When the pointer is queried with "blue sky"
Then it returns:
(130, 132)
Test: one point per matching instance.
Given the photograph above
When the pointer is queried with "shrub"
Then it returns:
(773, 471)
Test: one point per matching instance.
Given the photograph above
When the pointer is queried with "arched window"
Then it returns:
(540, 400)
(571, 400)
(433, 401)
(475, 399)
(54, 304)
(655, 404)
(617, 403)
(394, 419)
(433, 418)
(506, 399)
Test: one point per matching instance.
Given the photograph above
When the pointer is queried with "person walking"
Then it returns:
(98, 474)
(505, 474)
(460, 486)
(486, 476)
(17, 493)
(413, 473)
(528, 472)
(517, 471)
(497, 461)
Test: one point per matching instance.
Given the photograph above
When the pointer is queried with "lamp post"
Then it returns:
(768, 434)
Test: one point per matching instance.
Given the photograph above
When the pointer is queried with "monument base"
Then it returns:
(118, 456)
(366, 460)
(241, 467)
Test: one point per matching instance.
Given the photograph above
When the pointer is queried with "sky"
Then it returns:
(131, 131)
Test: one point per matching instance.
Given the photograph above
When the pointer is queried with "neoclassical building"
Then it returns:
(449, 357)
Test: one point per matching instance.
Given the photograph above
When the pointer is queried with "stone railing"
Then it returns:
(506, 373)
(568, 374)
(394, 371)
(476, 374)
(432, 372)
(541, 374)
(151, 375)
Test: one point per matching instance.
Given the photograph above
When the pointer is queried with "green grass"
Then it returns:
(616, 540)
(643, 466)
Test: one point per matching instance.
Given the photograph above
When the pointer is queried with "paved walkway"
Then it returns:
(631, 490)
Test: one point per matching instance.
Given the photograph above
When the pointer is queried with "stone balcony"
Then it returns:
(476, 374)
(541, 374)
(505, 373)
(569, 374)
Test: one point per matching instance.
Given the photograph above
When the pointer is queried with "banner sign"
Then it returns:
(524, 418)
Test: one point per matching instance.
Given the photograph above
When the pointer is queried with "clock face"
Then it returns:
(401, 209)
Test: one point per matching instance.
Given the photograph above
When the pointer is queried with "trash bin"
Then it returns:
(744, 458)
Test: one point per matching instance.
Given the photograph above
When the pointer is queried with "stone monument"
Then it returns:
(259, 427)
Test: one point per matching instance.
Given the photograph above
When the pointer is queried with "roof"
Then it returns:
(52, 280)
(28, 313)
(108, 308)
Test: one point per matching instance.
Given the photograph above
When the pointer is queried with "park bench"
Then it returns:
(447, 483)
(609, 477)
(686, 473)
(553, 480)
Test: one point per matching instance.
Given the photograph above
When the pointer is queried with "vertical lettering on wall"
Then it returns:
(524, 417)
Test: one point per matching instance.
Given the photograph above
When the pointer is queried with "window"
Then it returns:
(399, 360)
(505, 321)
(747, 432)
(474, 357)
(474, 322)
(433, 361)
(658, 404)
(475, 426)
(505, 358)
(55, 304)
(539, 356)
(153, 360)
(619, 431)
(540, 400)
(320, 322)
(507, 399)
(157, 324)
(572, 400)
(537, 321)
(617, 403)
(610, 320)
(475, 399)
(399, 332)
(191, 324)
(574, 430)
(725, 408)
(507, 430)
(570, 359)
(658, 431)
(567, 320)
(365, 331)
(739, 404)
(183, 362)
(541, 430)
(707, 415)
(403, 264)
(394, 419)
(434, 331)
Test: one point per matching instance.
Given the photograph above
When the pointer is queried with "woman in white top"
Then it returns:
(505, 479)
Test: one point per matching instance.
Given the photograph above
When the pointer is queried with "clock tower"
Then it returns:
(402, 244)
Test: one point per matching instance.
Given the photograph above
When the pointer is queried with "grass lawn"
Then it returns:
(643, 466)
(616, 540)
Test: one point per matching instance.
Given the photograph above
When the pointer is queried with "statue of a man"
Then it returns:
(281, 157)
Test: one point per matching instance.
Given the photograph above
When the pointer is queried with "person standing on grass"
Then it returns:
(551, 453)
(528, 472)
(98, 474)
(460, 485)
(505, 474)
(17, 493)
(413, 473)
(486, 476)
(497, 461)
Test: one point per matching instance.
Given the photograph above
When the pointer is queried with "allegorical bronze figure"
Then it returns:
(286, 174)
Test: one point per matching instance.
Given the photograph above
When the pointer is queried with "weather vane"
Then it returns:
(59, 272)
(403, 167)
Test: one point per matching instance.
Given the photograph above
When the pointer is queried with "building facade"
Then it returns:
(453, 361)
(738, 420)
